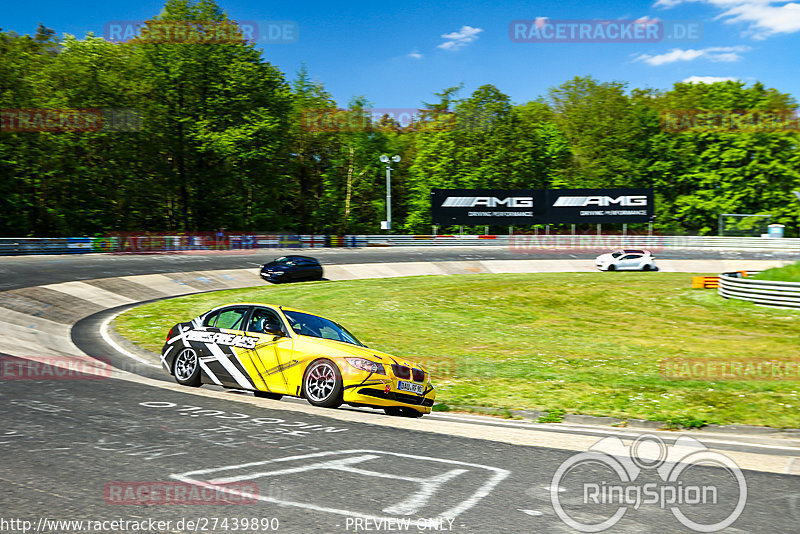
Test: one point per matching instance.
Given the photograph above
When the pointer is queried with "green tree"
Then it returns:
(700, 175)
(607, 133)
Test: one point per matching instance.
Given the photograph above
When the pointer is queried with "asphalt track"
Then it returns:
(25, 271)
(74, 449)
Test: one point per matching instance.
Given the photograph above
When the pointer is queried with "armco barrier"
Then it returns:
(134, 243)
(28, 245)
(764, 292)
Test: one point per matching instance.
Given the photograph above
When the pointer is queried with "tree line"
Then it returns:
(223, 138)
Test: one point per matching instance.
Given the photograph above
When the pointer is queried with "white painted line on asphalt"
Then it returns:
(428, 487)
(113, 344)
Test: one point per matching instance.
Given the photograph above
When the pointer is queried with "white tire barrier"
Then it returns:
(764, 292)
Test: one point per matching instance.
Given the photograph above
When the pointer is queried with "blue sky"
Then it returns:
(398, 54)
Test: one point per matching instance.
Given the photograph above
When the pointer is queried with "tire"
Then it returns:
(322, 384)
(402, 411)
(186, 368)
(267, 395)
(646, 267)
(611, 268)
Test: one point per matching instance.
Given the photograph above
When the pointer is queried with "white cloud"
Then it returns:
(415, 55)
(708, 79)
(672, 3)
(646, 20)
(460, 39)
(763, 18)
(714, 53)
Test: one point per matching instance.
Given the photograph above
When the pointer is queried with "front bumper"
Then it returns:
(272, 277)
(382, 391)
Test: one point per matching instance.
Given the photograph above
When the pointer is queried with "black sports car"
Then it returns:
(292, 268)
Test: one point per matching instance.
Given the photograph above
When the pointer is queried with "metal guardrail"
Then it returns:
(28, 245)
(764, 292)
(131, 243)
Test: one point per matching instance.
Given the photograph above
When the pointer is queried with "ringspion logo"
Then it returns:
(593, 490)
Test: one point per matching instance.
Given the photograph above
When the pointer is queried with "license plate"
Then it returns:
(410, 386)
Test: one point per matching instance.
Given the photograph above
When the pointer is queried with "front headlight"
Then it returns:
(367, 365)
(278, 273)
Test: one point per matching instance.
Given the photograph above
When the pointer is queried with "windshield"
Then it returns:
(311, 325)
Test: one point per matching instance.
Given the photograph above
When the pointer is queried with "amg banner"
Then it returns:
(599, 206)
(531, 206)
(487, 206)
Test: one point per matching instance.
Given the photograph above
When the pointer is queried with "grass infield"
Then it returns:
(787, 273)
(628, 345)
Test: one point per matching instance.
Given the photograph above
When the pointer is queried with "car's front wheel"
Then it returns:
(322, 384)
(186, 368)
(611, 268)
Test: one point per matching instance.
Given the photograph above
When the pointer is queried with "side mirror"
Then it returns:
(274, 331)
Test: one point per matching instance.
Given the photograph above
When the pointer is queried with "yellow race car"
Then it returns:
(275, 351)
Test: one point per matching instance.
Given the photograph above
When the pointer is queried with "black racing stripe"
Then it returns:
(234, 359)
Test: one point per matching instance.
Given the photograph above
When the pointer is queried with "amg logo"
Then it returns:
(489, 202)
(570, 202)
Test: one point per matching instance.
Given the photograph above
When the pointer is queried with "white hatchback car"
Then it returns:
(626, 260)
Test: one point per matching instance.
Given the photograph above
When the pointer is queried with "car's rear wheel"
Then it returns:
(267, 395)
(186, 368)
(646, 267)
(322, 384)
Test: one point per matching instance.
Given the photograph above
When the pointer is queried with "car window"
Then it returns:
(327, 332)
(632, 257)
(616, 254)
(231, 318)
(306, 324)
(261, 318)
(210, 318)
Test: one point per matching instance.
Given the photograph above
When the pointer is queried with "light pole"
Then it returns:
(385, 159)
